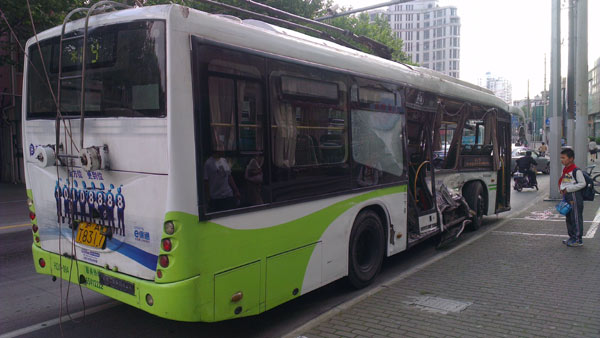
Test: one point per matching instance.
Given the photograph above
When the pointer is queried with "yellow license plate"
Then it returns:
(91, 234)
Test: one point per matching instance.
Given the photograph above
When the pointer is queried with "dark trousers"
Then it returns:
(575, 217)
(532, 177)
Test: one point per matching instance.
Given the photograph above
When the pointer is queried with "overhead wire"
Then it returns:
(69, 192)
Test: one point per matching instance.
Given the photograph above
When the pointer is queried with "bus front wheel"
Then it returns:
(473, 194)
(366, 249)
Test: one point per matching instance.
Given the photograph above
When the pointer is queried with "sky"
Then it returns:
(509, 39)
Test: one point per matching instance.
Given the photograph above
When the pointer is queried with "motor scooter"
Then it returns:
(521, 180)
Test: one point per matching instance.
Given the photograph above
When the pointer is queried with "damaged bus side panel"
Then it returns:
(456, 153)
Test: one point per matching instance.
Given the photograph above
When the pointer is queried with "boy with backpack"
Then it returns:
(572, 186)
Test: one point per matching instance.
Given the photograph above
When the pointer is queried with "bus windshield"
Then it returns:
(125, 72)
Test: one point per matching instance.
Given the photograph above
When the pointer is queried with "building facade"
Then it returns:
(501, 87)
(535, 119)
(431, 34)
(11, 79)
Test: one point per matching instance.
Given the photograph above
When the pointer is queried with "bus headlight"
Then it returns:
(169, 228)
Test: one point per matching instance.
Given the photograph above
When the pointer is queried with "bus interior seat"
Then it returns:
(332, 148)
(305, 150)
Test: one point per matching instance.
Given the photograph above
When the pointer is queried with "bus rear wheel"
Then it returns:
(366, 249)
(473, 194)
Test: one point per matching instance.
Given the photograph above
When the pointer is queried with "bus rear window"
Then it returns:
(125, 72)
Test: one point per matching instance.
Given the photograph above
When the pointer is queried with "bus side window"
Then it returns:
(477, 138)
(309, 132)
(233, 135)
(377, 141)
(234, 171)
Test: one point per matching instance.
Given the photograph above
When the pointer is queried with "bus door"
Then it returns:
(421, 110)
(504, 150)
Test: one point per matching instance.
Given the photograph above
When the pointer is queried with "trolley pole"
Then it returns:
(362, 9)
(528, 120)
(554, 111)
(581, 80)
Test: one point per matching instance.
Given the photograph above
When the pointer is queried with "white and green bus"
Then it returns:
(220, 167)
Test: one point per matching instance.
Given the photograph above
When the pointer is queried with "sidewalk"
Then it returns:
(517, 280)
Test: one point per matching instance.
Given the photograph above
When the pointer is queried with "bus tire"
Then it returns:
(473, 194)
(366, 249)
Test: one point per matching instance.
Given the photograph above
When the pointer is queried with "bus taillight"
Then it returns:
(34, 228)
(163, 260)
(42, 263)
(32, 215)
(29, 202)
(166, 244)
(37, 239)
(159, 273)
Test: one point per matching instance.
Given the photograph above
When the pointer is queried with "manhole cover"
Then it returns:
(437, 304)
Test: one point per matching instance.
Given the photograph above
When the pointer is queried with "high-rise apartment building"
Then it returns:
(501, 87)
(431, 34)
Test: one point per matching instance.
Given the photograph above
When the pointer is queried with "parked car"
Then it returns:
(543, 162)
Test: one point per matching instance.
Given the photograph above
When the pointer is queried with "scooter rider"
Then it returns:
(524, 166)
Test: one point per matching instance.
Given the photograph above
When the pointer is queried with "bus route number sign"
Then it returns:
(91, 234)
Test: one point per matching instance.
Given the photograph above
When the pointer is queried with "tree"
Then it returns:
(378, 30)
(50, 13)
(305, 8)
(46, 14)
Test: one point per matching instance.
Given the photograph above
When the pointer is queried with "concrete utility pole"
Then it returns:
(528, 119)
(581, 86)
(571, 73)
(545, 103)
(554, 113)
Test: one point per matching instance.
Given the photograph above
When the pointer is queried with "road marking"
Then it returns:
(527, 234)
(15, 226)
(592, 230)
(55, 321)
(590, 233)
(546, 220)
(15, 201)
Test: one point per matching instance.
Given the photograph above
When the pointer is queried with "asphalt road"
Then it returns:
(31, 302)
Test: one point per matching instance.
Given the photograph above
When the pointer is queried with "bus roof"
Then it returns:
(514, 110)
(270, 39)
